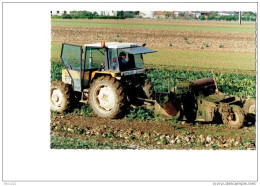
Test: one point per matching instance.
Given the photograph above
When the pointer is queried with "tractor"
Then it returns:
(102, 78)
(111, 78)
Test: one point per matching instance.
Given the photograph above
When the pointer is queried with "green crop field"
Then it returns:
(190, 60)
(201, 60)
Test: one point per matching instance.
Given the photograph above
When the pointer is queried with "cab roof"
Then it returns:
(114, 45)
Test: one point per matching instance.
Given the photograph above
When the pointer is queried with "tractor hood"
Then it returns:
(138, 50)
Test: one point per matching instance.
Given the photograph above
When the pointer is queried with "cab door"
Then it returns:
(71, 56)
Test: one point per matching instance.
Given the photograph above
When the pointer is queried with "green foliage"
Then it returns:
(249, 16)
(66, 16)
(120, 14)
(140, 114)
(167, 15)
(246, 16)
(221, 46)
(213, 17)
(89, 15)
(228, 17)
(170, 44)
(202, 17)
(56, 69)
(74, 143)
(85, 110)
(129, 15)
(234, 84)
(56, 17)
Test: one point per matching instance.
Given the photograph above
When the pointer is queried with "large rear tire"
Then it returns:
(60, 96)
(106, 97)
(234, 118)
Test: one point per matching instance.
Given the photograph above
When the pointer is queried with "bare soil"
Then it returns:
(152, 134)
(159, 39)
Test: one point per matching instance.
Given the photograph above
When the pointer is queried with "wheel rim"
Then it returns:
(251, 109)
(105, 98)
(56, 98)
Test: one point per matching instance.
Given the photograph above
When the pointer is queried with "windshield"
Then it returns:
(129, 61)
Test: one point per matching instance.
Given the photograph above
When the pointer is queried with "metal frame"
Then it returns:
(80, 70)
(107, 65)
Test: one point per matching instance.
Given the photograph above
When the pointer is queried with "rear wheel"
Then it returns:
(249, 110)
(234, 118)
(60, 96)
(106, 97)
(249, 106)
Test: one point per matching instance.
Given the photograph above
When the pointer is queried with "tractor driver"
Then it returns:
(122, 61)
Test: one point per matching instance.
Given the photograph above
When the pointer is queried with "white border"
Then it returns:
(27, 155)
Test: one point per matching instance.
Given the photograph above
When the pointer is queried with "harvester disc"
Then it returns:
(234, 118)
(171, 110)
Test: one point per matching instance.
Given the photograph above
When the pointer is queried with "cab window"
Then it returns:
(113, 60)
(94, 58)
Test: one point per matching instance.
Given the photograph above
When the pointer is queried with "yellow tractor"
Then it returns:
(109, 76)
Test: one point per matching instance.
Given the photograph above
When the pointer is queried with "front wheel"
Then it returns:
(234, 118)
(106, 97)
(60, 96)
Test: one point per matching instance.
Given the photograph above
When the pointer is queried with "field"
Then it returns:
(186, 49)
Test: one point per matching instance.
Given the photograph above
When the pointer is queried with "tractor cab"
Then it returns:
(112, 58)
(118, 56)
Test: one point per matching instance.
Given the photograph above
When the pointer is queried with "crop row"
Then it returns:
(234, 84)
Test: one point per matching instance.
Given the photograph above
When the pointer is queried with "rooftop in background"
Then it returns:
(114, 45)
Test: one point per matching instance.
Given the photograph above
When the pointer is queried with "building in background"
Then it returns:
(107, 13)
(147, 14)
(58, 12)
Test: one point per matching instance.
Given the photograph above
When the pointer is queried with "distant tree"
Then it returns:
(66, 16)
(95, 13)
(252, 14)
(167, 15)
(120, 14)
(202, 17)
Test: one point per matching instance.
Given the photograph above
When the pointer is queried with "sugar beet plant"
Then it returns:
(233, 84)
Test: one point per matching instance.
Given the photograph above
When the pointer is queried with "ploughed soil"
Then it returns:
(159, 38)
(150, 134)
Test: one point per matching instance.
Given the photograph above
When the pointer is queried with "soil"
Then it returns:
(159, 39)
(137, 131)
